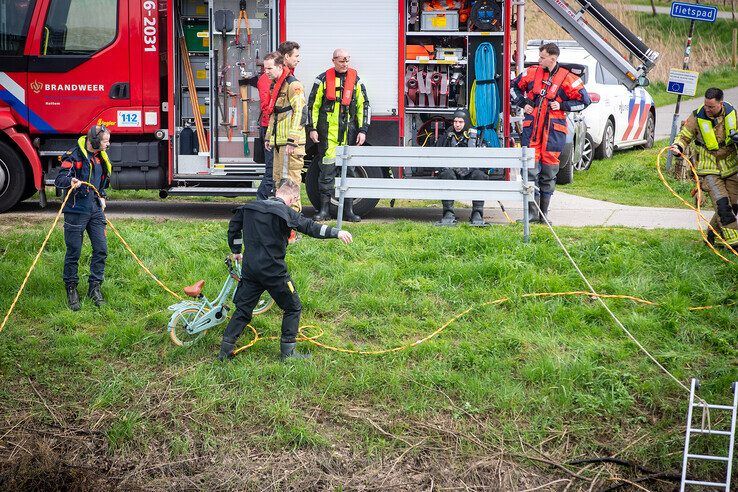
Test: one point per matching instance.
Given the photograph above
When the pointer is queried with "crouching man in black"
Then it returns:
(263, 227)
(460, 135)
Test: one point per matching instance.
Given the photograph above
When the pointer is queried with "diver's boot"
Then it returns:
(448, 218)
(325, 209)
(226, 351)
(287, 351)
(477, 215)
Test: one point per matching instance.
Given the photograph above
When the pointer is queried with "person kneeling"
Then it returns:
(460, 135)
(263, 228)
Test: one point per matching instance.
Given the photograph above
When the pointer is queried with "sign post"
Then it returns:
(694, 12)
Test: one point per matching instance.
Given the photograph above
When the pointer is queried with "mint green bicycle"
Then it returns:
(192, 318)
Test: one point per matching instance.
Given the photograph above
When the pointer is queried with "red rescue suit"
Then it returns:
(545, 129)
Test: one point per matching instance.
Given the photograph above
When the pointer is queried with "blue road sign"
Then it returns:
(692, 11)
(675, 87)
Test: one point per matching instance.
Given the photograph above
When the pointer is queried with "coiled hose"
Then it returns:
(485, 98)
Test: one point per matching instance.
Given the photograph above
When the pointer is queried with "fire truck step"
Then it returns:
(208, 191)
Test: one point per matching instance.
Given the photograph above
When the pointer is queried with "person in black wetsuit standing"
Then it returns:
(263, 227)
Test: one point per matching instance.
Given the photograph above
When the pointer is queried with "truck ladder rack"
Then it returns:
(575, 24)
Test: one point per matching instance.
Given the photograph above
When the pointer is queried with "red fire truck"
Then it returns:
(159, 72)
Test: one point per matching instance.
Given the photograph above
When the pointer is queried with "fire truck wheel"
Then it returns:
(29, 191)
(12, 177)
(362, 206)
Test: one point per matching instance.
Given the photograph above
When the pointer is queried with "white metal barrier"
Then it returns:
(521, 158)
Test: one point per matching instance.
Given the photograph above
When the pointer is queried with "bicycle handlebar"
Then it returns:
(234, 267)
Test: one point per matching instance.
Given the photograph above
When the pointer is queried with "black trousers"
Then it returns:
(266, 188)
(247, 295)
(75, 226)
(463, 174)
(544, 177)
(328, 174)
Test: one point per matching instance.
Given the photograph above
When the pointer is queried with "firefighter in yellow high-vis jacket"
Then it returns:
(713, 130)
(286, 131)
(339, 114)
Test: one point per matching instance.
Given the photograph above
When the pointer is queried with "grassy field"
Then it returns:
(503, 398)
(630, 178)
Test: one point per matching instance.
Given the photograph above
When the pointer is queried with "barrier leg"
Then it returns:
(342, 158)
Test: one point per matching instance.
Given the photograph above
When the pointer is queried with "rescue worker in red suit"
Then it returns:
(263, 84)
(546, 92)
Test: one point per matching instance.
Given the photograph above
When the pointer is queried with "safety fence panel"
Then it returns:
(521, 158)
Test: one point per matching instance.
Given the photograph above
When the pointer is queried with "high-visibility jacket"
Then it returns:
(333, 114)
(77, 163)
(716, 153)
(288, 119)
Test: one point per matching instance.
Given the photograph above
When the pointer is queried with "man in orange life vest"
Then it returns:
(546, 92)
(338, 114)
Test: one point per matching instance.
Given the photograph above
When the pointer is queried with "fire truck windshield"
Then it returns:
(14, 18)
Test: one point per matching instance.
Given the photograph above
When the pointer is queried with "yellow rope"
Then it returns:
(313, 339)
(141, 263)
(46, 240)
(33, 265)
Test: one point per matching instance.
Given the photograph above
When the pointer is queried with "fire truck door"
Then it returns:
(15, 17)
(79, 69)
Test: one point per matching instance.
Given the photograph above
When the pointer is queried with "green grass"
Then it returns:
(630, 178)
(552, 372)
(153, 195)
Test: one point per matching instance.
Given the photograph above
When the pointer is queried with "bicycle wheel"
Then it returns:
(265, 302)
(178, 326)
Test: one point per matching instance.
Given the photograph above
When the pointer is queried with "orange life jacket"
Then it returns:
(553, 83)
(349, 84)
(548, 90)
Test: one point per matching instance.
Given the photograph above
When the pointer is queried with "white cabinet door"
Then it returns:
(368, 30)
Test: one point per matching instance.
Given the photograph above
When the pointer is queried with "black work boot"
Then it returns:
(226, 351)
(711, 237)
(726, 214)
(477, 215)
(73, 297)
(95, 294)
(287, 351)
(449, 218)
(545, 202)
(348, 211)
(325, 209)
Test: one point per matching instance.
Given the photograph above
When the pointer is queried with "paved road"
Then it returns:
(566, 210)
(665, 114)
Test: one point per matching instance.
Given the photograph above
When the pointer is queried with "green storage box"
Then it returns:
(196, 36)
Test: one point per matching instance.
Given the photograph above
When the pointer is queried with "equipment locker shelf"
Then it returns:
(417, 115)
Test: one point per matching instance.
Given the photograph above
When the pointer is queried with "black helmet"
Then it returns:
(463, 114)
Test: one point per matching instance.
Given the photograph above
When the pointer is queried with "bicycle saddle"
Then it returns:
(195, 289)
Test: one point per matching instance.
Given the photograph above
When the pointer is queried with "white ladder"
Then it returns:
(728, 460)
